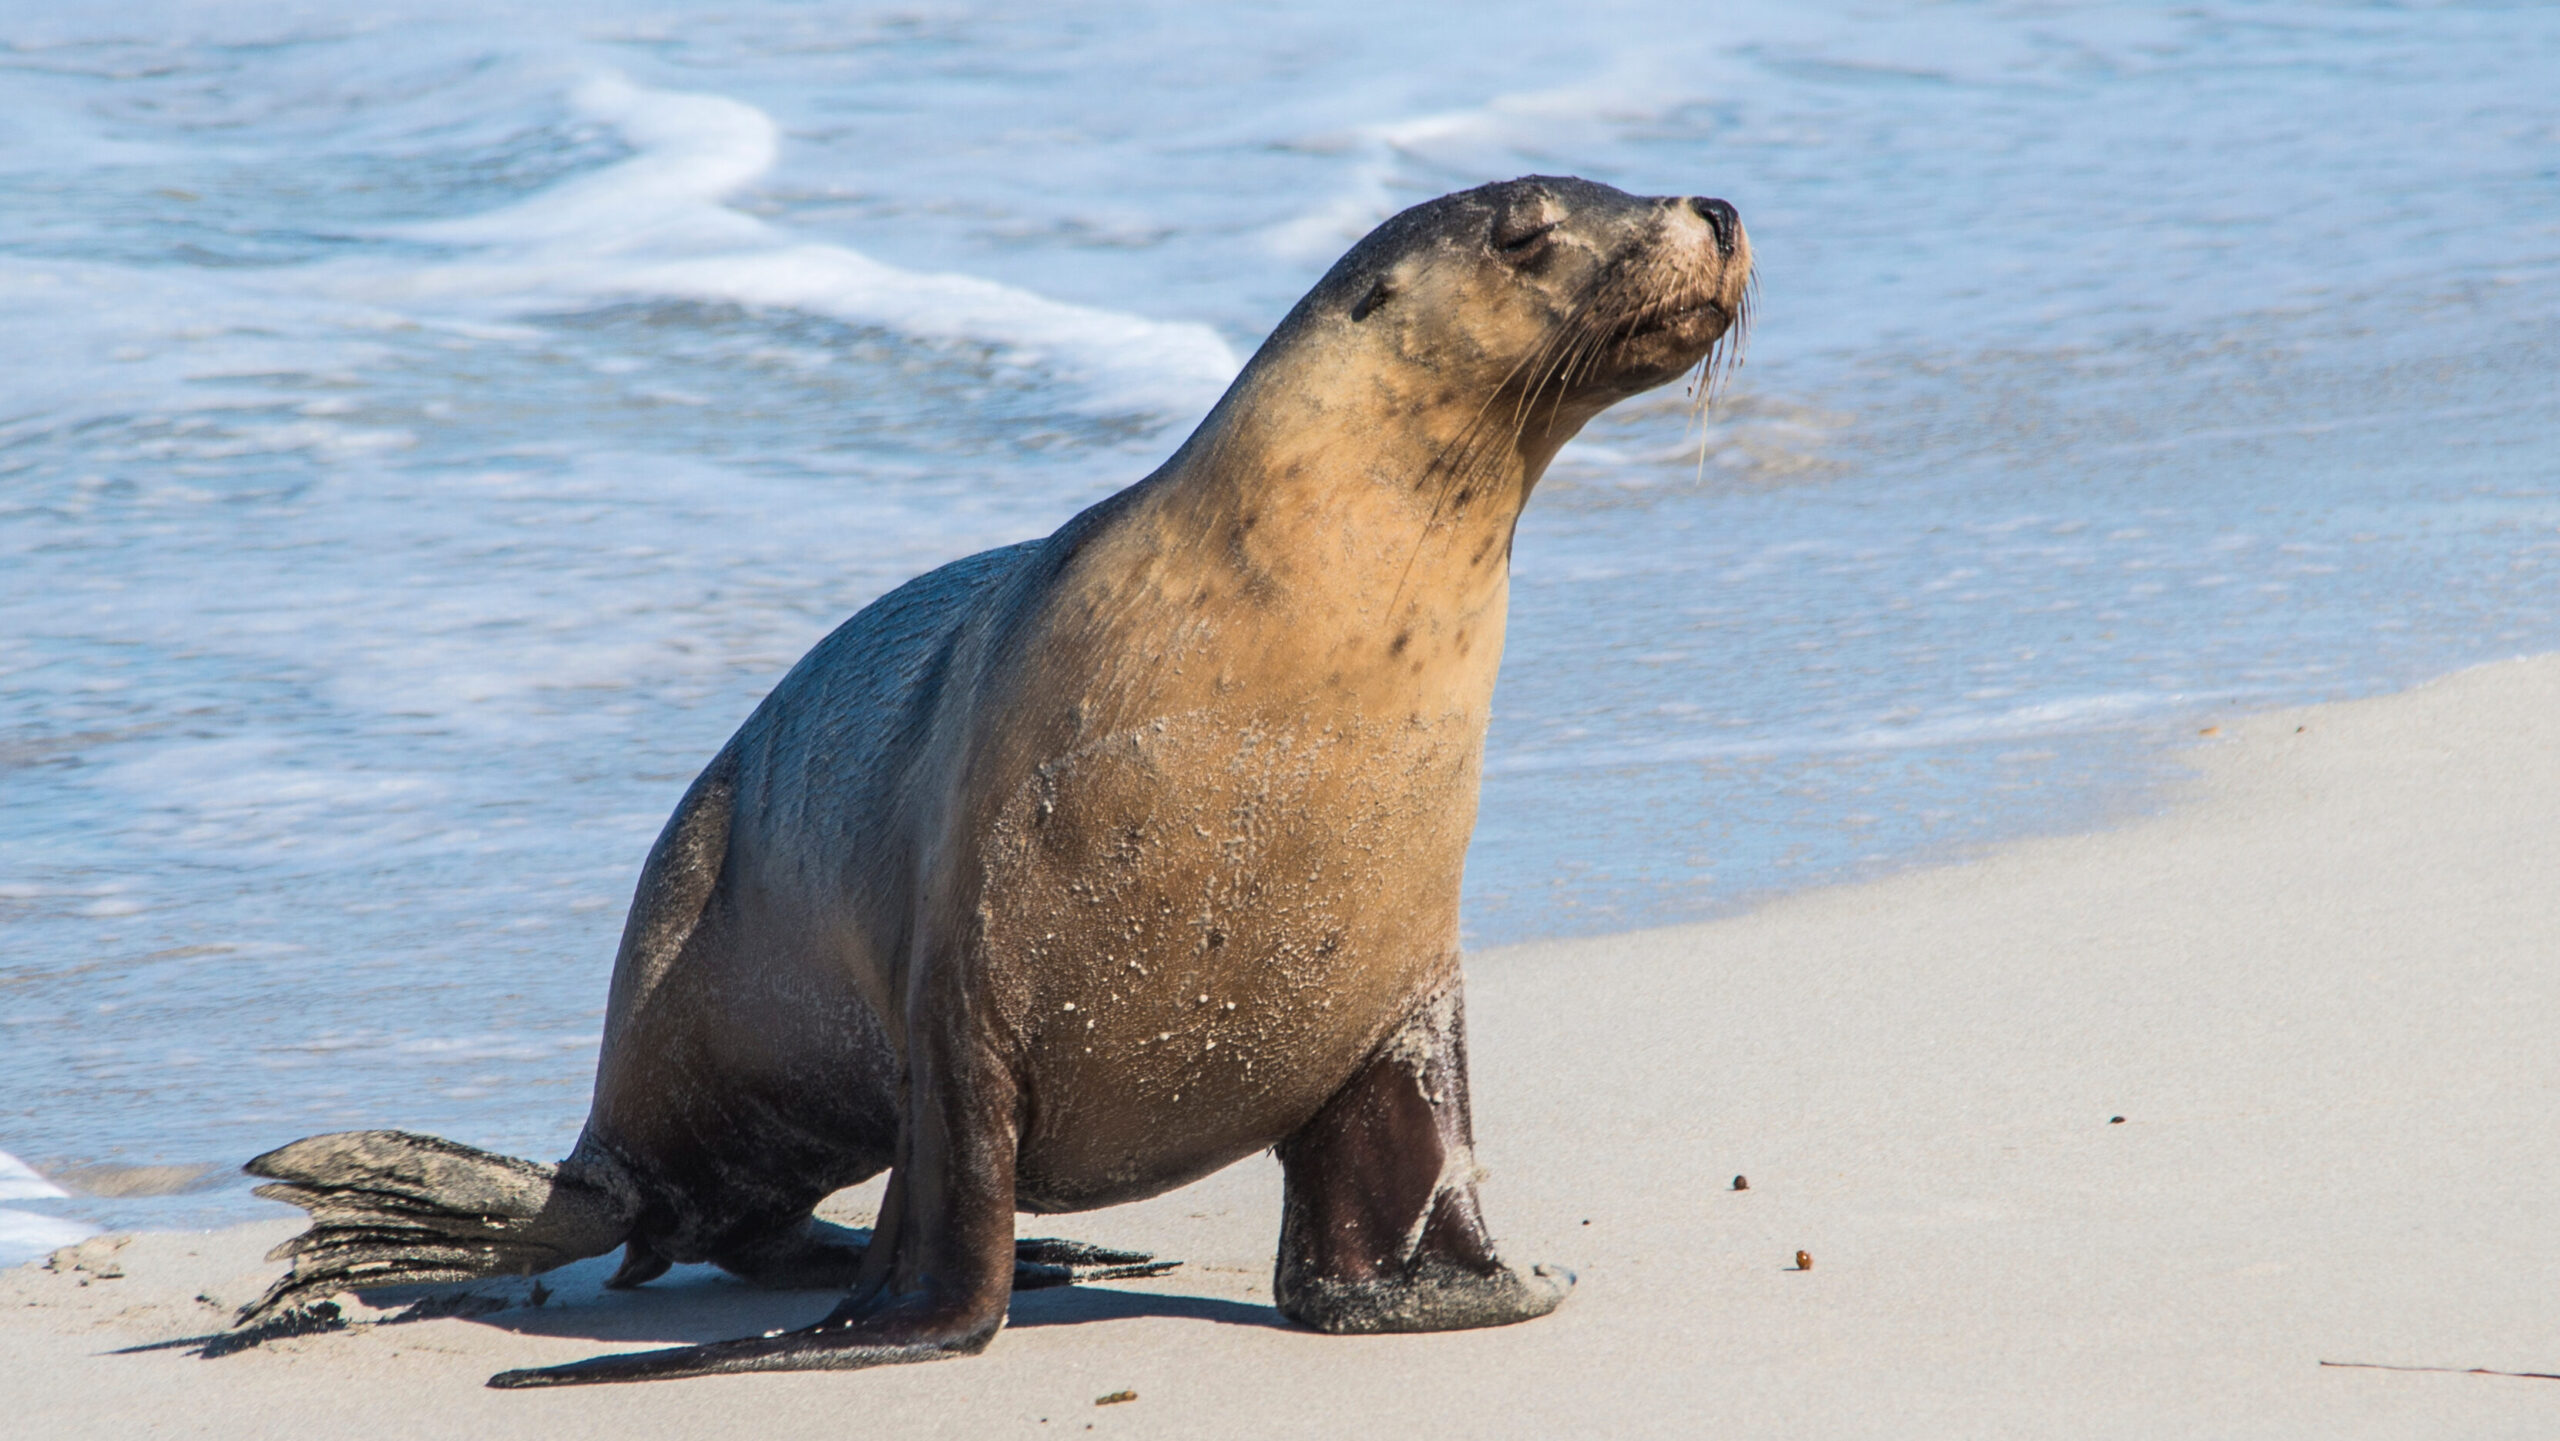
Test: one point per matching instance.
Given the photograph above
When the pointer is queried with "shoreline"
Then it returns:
(2310, 985)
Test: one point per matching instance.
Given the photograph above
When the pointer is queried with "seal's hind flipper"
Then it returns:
(1040, 1262)
(391, 1208)
(821, 1255)
(641, 1264)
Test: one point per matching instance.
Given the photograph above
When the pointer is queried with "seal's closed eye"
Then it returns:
(1523, 236)
(1521, 229)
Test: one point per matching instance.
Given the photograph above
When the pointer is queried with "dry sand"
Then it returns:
(2321, 992)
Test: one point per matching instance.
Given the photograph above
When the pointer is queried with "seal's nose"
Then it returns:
(1721, 218)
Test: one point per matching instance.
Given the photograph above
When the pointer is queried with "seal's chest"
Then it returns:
(1201, 931)
(1188, 848)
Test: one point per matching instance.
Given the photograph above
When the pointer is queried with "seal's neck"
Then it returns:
(1382, 490)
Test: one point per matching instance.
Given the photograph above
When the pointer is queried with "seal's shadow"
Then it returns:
(695, 1304)
(1067, 1305)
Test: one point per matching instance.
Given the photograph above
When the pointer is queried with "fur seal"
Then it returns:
(1071, 872)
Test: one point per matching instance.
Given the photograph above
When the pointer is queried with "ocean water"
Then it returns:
(427, 431)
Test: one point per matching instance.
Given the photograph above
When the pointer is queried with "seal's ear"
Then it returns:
(1379, 294)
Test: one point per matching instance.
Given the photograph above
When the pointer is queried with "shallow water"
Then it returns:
(430, 433)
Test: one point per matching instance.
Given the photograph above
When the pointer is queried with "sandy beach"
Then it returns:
(2317, 991)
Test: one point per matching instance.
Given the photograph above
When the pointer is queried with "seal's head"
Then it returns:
(1559, 293)
(1395, 423)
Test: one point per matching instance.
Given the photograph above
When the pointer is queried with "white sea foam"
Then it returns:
(21, 1182)
(650, 226)
(655, 225)
(25, 1235)
(2064, 716)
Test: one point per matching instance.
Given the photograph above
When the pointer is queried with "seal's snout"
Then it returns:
(1721, 218)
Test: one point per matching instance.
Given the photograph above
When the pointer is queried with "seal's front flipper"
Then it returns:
(936, 1272)
(940, 1294)
(1430, 1295)
(1380, 1229)
(839, 1343)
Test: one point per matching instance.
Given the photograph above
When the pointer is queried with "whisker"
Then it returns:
(1607, 311)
